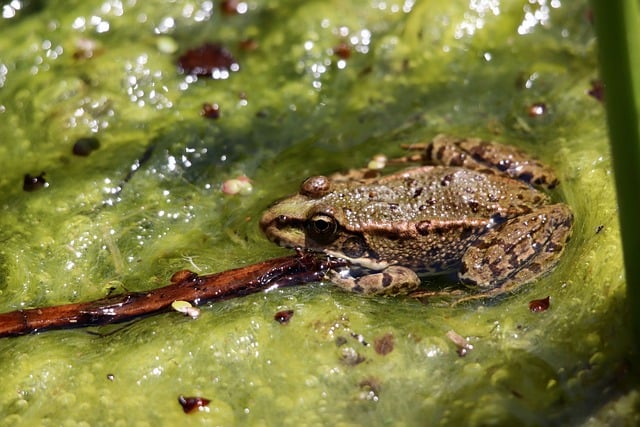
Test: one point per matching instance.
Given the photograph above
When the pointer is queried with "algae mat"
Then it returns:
(300, 88)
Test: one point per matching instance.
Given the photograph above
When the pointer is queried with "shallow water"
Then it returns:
(122, 220)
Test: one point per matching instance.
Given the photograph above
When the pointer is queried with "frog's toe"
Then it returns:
(477, 154)
(393, 280)
(519, 251)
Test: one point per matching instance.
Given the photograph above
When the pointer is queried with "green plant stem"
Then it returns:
(617, 26)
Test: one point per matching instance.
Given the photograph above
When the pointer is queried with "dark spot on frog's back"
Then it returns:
(424, 228)
(409, 181)
(427, 203)
(347, 212)
(446, 180)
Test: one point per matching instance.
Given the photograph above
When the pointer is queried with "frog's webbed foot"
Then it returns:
(518, 251)
(477, 154)
(442, 297)
(454, 297)
(393, 280)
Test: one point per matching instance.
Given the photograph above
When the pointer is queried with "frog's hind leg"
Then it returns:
(477, 154)
(393, 280)
(518, 251)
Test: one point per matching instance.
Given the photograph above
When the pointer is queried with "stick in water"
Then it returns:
(185, 285)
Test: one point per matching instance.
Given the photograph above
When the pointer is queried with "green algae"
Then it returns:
(293, 110)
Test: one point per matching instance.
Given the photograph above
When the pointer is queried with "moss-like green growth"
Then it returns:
(322, 86)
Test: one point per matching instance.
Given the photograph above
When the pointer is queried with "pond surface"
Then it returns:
(311, 88)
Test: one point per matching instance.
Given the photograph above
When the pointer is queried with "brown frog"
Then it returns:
(473, 210)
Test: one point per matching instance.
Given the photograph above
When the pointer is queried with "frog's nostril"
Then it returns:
(282, 220)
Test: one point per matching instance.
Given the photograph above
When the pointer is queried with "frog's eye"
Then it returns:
(322, 228)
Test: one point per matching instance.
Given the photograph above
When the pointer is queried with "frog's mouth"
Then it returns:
(362, 264)
(283, 230)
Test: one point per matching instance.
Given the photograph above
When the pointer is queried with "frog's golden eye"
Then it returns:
(322, 228)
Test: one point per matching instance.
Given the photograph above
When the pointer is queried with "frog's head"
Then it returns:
(303, 220)
(316, 218)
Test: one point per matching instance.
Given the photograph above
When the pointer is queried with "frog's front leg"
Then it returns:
(477, 154)
(393, 280)
(517, 251)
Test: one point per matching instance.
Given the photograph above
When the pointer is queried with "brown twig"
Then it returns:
(185, 286)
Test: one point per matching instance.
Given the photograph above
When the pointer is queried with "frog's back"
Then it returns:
(425, 218)
(440, 196)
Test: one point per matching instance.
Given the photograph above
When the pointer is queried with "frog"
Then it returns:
(471, 208)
